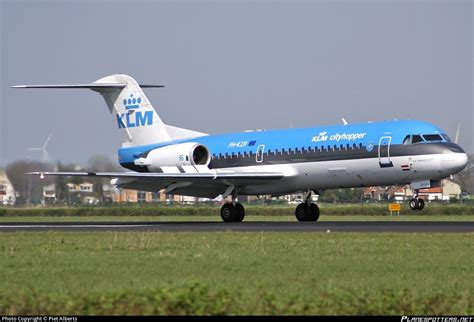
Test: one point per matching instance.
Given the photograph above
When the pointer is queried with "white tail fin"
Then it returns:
(135, 117)
(133, 114)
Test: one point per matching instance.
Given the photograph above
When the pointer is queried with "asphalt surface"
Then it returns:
(323, 226)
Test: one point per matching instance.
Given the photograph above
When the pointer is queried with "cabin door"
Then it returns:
(259, 156)
(384, 152)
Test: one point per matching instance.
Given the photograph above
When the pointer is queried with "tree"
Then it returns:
(28, 187)
(101, 163)
(465, 178)
(63, 195)
(348, 195)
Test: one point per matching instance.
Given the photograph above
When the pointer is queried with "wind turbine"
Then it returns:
(457, 133)
(45, 156)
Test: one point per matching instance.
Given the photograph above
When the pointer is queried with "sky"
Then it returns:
(230, 66)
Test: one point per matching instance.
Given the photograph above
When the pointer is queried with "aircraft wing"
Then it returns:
(209, 184)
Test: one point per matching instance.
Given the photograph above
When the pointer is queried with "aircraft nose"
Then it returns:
(454, 162)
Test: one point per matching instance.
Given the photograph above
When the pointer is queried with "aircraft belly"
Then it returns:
(324, 175)
(320, 175)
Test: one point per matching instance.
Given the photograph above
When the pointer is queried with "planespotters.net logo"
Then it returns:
(437, 319)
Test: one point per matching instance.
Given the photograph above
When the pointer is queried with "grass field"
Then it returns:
(236, 273)
(160, 210)
(217, 218)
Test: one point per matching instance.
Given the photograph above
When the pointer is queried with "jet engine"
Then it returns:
(182, 154)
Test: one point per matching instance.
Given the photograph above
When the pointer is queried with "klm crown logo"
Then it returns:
(132, 102)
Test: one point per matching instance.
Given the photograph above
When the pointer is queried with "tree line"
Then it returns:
(29, 188)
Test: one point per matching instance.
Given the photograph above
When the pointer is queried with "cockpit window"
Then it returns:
(446, 137)
(416, 139)
(432, 137)
(407, 140)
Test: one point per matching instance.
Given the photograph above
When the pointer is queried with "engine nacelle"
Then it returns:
(182, 154)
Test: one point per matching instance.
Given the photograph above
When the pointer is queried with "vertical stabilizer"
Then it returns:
(133, 114)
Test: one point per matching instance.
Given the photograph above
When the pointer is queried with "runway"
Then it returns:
(323, 226)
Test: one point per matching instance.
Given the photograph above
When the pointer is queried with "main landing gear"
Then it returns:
(416, 203)
(307, 211)
(232, 212)
(235, 212)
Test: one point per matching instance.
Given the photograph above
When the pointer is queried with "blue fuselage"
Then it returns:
(336, 142)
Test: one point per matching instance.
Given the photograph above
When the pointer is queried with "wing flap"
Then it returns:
(208, 184)
(187, 176)
(240, 178)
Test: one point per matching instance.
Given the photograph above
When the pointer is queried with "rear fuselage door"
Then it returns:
(259, 154)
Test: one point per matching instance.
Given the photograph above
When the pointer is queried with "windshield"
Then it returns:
(419, 138)
(432, 137)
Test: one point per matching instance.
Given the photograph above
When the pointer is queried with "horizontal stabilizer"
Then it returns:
(87, 86)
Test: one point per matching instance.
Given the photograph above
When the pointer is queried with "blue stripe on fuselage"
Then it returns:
(366, 134)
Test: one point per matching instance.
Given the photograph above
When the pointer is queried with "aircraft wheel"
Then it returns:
(414, 204)
(229, 213)
(421, 204)
(303, 212)
(240, 212)
(314, 210)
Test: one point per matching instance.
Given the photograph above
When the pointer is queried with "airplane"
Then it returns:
(266, 162)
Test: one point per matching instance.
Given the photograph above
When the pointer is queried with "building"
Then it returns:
(49, 194)
(448, 190)
(85, 193)
(7, 193)
(126, 195)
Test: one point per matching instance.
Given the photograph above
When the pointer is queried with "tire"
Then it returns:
(302, 212)
(240, 212)
(421, 204)
(229, 213)
(314, 211)
(414, 204)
